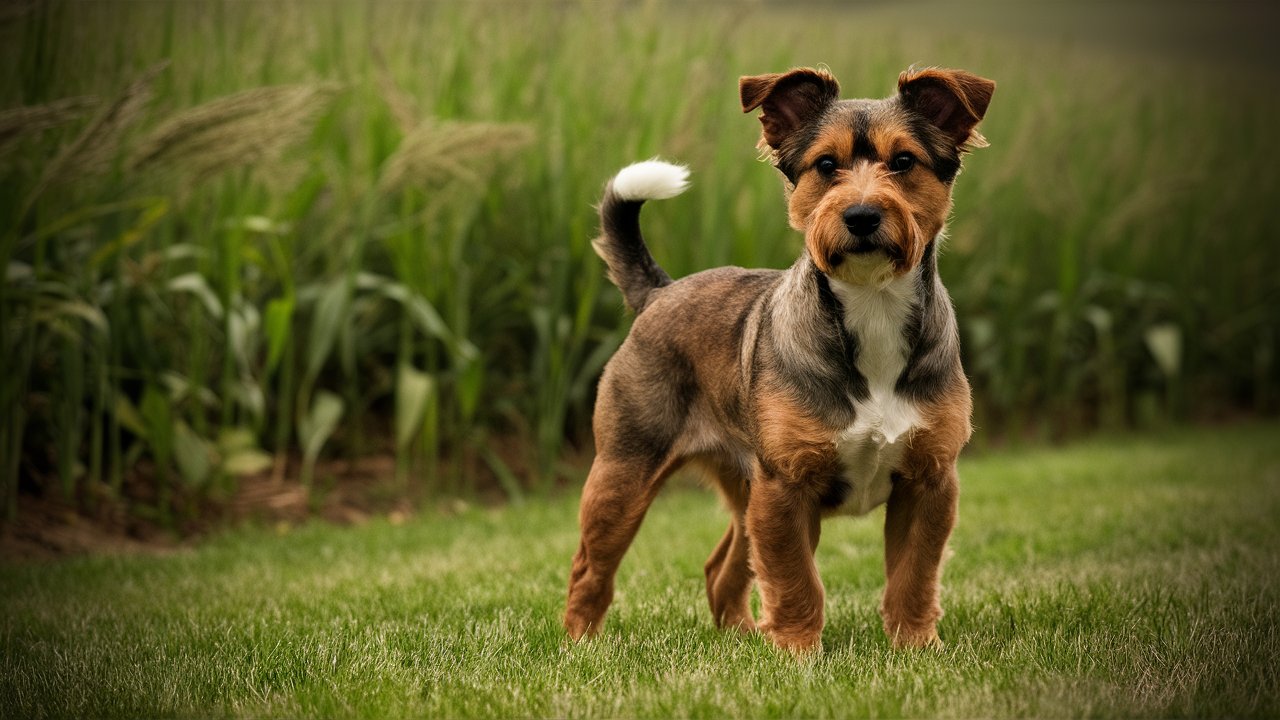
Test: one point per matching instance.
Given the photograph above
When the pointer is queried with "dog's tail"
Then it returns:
(620, 244)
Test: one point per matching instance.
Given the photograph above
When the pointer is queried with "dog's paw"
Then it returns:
(580, 628)
(740, 621)
(801, 643)
(904, 638)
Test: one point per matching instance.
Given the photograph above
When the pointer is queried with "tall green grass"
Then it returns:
(239, 238)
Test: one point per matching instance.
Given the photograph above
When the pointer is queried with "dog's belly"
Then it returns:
(871, 449)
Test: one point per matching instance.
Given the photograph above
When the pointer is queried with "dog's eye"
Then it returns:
(902, 162)
(826, 165)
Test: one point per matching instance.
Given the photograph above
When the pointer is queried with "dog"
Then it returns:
(829, 388)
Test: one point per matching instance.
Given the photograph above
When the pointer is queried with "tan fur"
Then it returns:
(793, 444)
(784, 523)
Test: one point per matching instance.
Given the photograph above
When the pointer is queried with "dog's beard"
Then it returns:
(874, 269)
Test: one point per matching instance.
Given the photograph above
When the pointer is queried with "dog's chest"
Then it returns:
(871, 448)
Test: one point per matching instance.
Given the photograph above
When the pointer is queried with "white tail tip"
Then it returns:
(650, 180)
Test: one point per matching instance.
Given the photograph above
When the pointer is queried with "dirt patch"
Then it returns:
(346, 493)
(46, 529)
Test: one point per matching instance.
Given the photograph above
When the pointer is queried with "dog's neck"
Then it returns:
(896, 337)
(877, 315)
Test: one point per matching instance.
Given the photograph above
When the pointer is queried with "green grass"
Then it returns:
(1126, 577)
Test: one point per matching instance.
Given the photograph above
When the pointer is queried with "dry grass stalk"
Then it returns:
(238, 130)
(93, 151)
(399, 102)
(17, 124)
(439, 152)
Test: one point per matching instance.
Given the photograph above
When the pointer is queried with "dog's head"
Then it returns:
(869, 181)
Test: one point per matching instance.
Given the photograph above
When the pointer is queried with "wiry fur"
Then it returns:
(828, 388)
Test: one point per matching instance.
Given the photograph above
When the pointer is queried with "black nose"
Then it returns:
(862, 220)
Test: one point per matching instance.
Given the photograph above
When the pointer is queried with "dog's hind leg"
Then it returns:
(614, 501)
(729, 579)
(728, 570)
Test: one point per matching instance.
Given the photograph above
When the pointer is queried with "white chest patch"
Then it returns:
(872, 447)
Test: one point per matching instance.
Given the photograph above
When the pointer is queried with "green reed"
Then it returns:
(240, 239)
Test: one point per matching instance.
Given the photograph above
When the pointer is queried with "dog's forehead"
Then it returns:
(861, 115)
(854, 127)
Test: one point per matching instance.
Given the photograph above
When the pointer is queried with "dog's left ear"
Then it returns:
(787, 100)
(953, 101)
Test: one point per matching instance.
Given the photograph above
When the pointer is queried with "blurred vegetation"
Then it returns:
(241, 237)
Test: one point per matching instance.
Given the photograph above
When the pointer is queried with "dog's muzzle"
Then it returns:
(866, 236)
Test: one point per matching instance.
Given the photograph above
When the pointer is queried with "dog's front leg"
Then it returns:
(918, 520)
(783, 524)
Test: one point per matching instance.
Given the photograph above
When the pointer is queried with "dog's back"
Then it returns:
(679, 385)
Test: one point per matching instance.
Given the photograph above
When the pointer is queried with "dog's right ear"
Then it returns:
(787, 100)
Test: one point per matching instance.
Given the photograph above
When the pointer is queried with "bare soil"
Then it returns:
(346, 493)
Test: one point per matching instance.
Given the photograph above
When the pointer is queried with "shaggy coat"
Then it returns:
(831, 387)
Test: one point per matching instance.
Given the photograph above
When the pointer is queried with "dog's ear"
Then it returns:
(953, 101)
(787, 100)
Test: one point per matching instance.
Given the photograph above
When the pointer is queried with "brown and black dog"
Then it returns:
(829, 388)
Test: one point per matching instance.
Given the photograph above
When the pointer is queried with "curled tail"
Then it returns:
(620, 244)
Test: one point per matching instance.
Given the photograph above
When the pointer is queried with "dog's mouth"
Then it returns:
(865, 247)
(849, 249)
(870, 260)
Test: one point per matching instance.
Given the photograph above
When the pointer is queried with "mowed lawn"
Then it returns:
(1130, 576)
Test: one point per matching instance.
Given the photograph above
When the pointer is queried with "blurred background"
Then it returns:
(334, 257)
